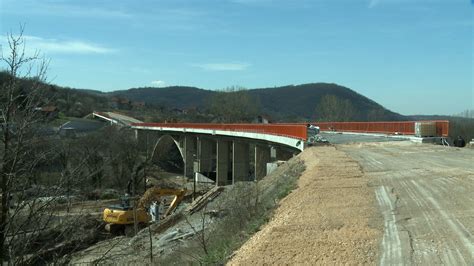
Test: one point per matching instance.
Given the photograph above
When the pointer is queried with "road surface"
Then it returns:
(426, 197)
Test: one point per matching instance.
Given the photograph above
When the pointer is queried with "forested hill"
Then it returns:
(303, 101)
(72, 102)
(287, 102)
(172, 97)
(315, 101)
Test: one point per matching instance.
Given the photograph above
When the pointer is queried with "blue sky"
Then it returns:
(412, 56)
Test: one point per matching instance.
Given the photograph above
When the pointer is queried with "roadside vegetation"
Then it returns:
(460, 126)
(241, 210)
(44, 175)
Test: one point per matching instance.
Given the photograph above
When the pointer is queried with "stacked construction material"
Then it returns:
(425, 129)
(202, 201)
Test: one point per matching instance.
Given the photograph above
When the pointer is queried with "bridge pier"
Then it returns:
(189, 154)
(262, 157)
(232, 153)
(205, 148)
(273, 153)
(222, 168)
(240, 161)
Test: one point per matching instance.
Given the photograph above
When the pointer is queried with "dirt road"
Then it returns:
(328, 219)
(378, 203)
(426, 197)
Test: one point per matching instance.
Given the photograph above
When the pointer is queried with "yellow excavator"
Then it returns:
(121, 218)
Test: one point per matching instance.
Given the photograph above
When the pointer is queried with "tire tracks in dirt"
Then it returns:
(422, 196)
(435, 208)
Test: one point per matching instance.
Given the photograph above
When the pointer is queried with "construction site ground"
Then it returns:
(425, 195)
(179, 243)
(368, 203)
(356, 203)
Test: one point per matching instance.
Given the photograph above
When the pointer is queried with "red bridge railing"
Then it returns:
(299, 130)
(404, 127)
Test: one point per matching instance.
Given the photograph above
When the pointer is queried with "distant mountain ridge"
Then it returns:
(286, 102)
(172, 97)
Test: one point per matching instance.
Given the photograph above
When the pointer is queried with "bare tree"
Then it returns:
(335, 109)
(123, 156)
(91, 150)
(201, 230)
(234, 105)
(36, 224)
(19, 115)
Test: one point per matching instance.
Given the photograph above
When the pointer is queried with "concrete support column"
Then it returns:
(205, 155)
(262, 157)
(273, 153)
(240, 161)
(223, 148)
(189, 155)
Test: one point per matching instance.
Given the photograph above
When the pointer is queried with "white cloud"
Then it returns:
(61, 8)
(62, 46)
(50, 46)
(223, 66)
(158, 83)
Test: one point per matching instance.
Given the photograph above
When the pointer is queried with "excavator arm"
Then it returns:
(155, 194)
(176, 200)
(124, 215)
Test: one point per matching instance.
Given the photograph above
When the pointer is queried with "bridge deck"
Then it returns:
(286, 130)
(299, 130)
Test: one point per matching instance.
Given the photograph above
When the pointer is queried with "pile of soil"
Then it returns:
(330, 218)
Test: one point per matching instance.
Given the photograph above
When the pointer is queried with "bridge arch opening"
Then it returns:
(168, 155)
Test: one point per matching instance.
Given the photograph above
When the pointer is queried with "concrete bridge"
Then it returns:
(241, 152)
(231, 152)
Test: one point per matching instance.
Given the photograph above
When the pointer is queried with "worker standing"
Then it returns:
(155, 211)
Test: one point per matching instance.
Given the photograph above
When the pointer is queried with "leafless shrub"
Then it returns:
(35, 223)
